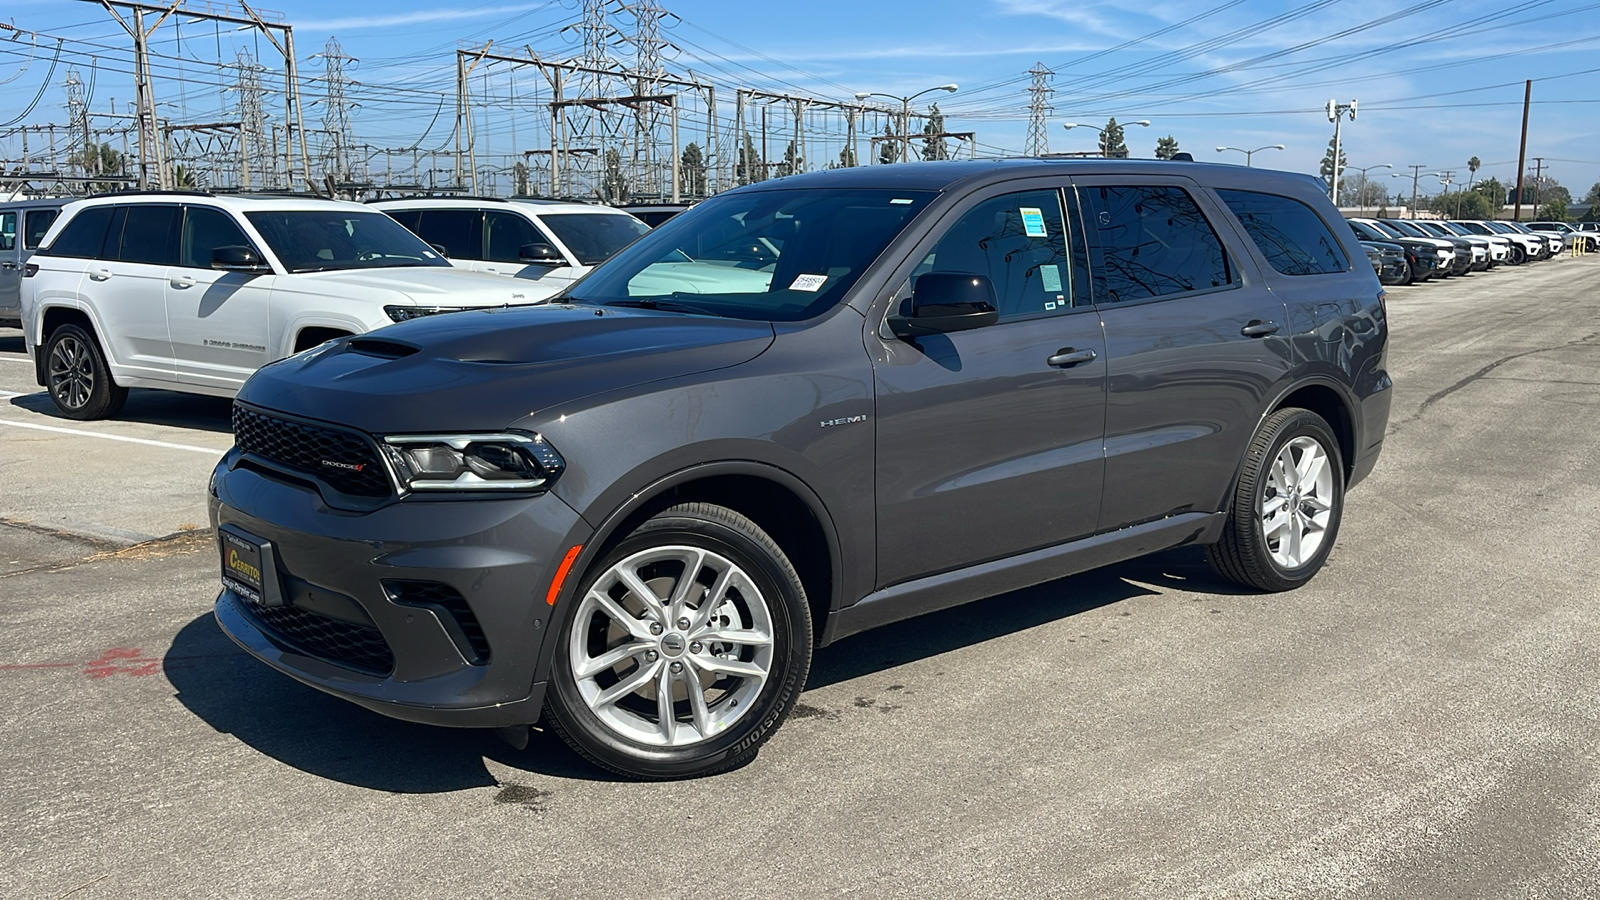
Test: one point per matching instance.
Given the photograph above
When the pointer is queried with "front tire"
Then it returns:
(77, 377)
(687, 646)
(1287, 505)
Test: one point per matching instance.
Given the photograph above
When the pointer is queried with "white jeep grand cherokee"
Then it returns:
(187, 291)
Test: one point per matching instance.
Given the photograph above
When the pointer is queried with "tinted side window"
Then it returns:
(204, 230)
(83, 235)
(1019, 241)
(1151, 241)
(38, 221)
(458, 231)
(1291, 236)
(148, 233)
(507, 232)
(410, 218)
(8, 231)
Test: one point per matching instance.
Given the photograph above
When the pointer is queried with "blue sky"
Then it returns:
(1438, 81)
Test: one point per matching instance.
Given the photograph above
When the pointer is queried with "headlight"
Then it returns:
(472, 462)
(404, 313)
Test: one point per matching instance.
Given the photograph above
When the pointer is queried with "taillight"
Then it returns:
(30, 269)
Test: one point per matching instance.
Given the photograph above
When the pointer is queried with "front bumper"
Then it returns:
(350, 573)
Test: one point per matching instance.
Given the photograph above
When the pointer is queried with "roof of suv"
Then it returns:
(537, 206)
(943, 175)
(236, 202)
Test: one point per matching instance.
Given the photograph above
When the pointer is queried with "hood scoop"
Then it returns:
(382, 349)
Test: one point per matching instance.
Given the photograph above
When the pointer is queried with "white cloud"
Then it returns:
(353, 23)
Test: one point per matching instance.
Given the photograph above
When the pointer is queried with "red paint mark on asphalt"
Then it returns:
(128, 661)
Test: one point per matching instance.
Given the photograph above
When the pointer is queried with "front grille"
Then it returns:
(344, 460)
(449, 600)
(355, 646)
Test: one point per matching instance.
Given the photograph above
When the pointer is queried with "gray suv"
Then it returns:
(800, 410)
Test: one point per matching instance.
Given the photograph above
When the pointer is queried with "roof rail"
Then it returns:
(445, 195)
(142, 192)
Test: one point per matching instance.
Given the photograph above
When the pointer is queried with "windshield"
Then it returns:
(779, 255)
(1386, 230)
(319, 240)
(594, 237)
(1451, 229)
(1474, 227)
(1406, 228)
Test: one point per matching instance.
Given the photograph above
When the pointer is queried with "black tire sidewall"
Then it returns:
(790, 614)
(105, 397)
(1302, 423)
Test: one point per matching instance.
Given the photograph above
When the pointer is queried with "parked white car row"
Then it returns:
(191, 292)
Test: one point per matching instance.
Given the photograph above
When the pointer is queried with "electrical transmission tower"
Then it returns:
(255, 154)
(336, 114)
(78, 123)
(1039, 110)
(648, 71)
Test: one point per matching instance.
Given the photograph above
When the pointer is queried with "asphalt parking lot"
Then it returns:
(1422, 720)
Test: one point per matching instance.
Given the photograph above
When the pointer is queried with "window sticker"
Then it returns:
(1033, 222)
(899, 202)
(1050, 278)
(1051, 305)
(809, 283)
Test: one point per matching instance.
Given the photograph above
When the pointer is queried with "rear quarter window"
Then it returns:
(1290, 235)
(38, 222)
(83, 235)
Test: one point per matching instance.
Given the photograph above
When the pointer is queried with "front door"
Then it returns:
(985, 447)
(1195, 342)
(219, 320)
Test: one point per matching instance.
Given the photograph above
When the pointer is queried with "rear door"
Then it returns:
(219, 321)
(986, 447)
(10, 265)
(127, 288)
(458, 231)
(1195, 345)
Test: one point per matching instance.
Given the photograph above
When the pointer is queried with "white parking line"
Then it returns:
(115, 437)
(7, 395)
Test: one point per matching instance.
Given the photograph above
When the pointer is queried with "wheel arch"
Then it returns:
(1327, 400)
(774, 498)
(53, 317)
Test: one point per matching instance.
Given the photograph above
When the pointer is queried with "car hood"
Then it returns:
(488, 369)
(424, 285)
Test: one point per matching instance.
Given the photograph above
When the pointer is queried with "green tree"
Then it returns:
(847, 157)
(521, 184)
(1474, 205)
(1492, 191)
(1167, 147)
(1112, 145)
(183, 178)
(1593, 197)
(101, 159)
(1327, 168)
(792, 161)
(934, 147)
(613, 187)
(889, 149)
(692, 171)
(749, 168)
(1553, 210)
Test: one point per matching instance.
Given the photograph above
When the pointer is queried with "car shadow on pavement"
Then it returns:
(151, 407)
(335, 739)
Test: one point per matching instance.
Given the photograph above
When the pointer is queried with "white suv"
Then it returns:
(551, 242)
(190, 292)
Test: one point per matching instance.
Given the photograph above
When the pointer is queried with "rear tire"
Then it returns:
(77, 377)
(697, 601)
(1286, 508)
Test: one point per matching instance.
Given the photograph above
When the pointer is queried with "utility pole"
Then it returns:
(1522, 154)
(1039, 110)
(1447, 178)
(464, 113)
(1416, 172)
(1336, 112)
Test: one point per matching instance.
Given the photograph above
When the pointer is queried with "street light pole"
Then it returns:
(1416, 172)
(905, 112)
(1364, 172)
(1250, 153)
(1071, 125)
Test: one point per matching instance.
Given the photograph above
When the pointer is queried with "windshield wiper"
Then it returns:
(666, 305)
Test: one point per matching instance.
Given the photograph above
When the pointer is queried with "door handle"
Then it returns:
(99, 274)
(1067, 357)
(1258, 328)
(8, 265)
(182, 281)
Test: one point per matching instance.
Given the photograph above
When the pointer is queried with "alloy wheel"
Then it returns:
(71, 373)
(1297, 505)
(671, 646)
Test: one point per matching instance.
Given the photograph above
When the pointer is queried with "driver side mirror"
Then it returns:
(942, 302)
(541, 254)
(237, 258)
